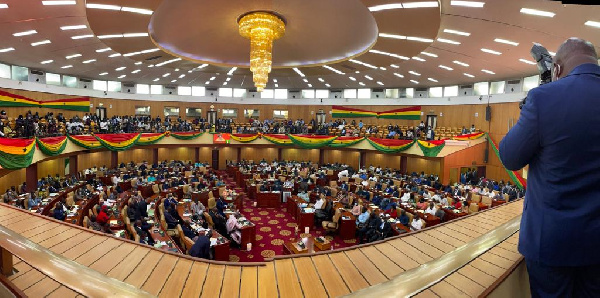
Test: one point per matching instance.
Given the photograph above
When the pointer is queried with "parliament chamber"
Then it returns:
(194, 148)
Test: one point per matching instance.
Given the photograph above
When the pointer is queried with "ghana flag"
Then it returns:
(470, 136)
(81, 104)
(411, 113)
(431, 148)
(118, 142)
(390, 145)
(52, 146)
(16, 153)
(187, 135)
(150, 138)
(514, 175)
(342, 142)
(85, 141)
(311, 141)
(244, 138)
(344, 112)
(282, 140)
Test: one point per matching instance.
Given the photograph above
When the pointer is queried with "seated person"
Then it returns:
(233, 228)
(422, 205)
(324, 214)
(368, 231)
(92, 224)
(59, 211)
(221, 206)
(33, 201)
(219, 221)
(416, 223)
(197, 208)
(343, 198)
(103, 216)
(362, 219)
(143, 230)
(431, 209)
(403, 218)
(201, 248)
(391, 211)
(304, 196)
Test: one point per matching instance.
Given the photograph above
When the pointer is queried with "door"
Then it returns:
(453, 176)
(431, 121)
(215, 159)
(321, 117)
(101, 112)
(211, 117)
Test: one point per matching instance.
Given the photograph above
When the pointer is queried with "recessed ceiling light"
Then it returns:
(460, 63)
(420, 4)
(157, 79)
(67, 66)
(39, 43)
(82, 36)
(382, 68)
(141, 34)
(168, 61)
(368, 78)
(228, 79)
(416, 82)
(432, 79)
(207, 82)
(274, 80)
(74, 27)
(394, 36)
(136, 71)
(429, 54)
(467, 3)
(138, 63)
(212, 78)
(305, 80)
(89, 61)
(379, 83)
(421, 39)
(137, 10)
(352, 78)
(363, 63)
(189, 71)
(103, 6)
(457, 32)
(114, 55)
(536, 12)
(103, 50)
(224, 83)
(414, 73)
(276, 85)
(394, 66)
(527, 61)
(24, 33)
(321, 80)
(121, 76)
(447, 41)
(383, 53)
(176, 69)
(173, 81)
(151, 65)
(103, 74)
(231, 71)
(491, 51)
(110, 36)
(488, 71)
(326, 85)
(385, 7)
(333, 69)
(419, 59)
(309, 85)
(202, 66)
(357, 71)
(73, 56)
(3, 5)
(512, 43)
(166, 75)
(446, 67)
(46, 61)
(182, 76)
(469, 75)
(592, 24)
(120, 68)
(60, 2)
(398, 75)
(6, 50)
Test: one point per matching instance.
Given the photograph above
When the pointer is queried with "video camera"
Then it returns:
(544, 64)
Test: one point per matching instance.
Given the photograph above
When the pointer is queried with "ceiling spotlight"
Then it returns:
(110, 36)
(24, 33)
(394, 66)
(418, 59)
(414, 73)
(121, 76)
(457, 32)
(368, 78)
(448, 41)
(114, 55)
(536, 12)
(309, 85)
(527, 61)
(468, 3)
(233, 69)
(321, 80)
(592, 24)
(103, 74)
(156, 80)
(381, 53)
(46, 61)
(469, 75)
(379, 83)
(67, 66)
(491, 51)
(512, 43)
(173, 81)
(488, 71)
(361, 83)
(73, 56)
(136, 71)
(385, 7)
(429, 54)
(103, 6)
(2, 5)
(432, 79)
(135, 34)
(138, 63)
(305, 80)
(398, 75)
(61, 2)
(212, 78)
(298, 72)
(416, 82)
(363, 63)
(460, 63)
(333, 69)
(82, 36)
(166, 75)
(74, 27)
(352, 78)
(446, 67)
(103, 50)
(89, 61)
(326, 85)
(137, 10)
(39, 43)
(274, 80)
(120, 68)
(168, 61)
(421, 39)
(6, 50)
(420, 4)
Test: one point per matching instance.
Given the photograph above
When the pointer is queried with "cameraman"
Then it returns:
(556, 135)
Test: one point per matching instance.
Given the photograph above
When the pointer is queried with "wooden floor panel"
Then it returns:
(124, 268)
(381, 261)
(214, 281)
(140, 274)
(177, 279)
(231, 281)
(287, 278)
(267, 281)
(397, 256)
(160, 274)
(42, 287)
(249, 282)
(62, 292)
(113, 258)
(195, 281)
(331, 278)
(353, 278)
(311, 283)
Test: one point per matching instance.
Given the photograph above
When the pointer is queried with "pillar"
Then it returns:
(215, 159)
(239, 154)
(321, 156)
(279, 150)
(155, 156)
(114, 159)
(403, 163)
(7, 261)
(73, 165)
(197, 154)
(31, 177)
(362, 161)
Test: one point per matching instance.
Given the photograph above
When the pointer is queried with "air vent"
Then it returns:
(153, 58)
(466, 87)
(128, 85)
(85, 80)
(421, 89)
(514, 82)
(377, 90)
(37, 72)
(252, 90)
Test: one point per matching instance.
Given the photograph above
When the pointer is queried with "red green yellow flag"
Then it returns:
(311, 141)
(16, 153)
(470, 136)
(81, 104)
(150, 138)
(431, 148)
(244, 138)
(85, 141)
(410, 113)
(187, 135)
(345, 112)
(282, 140)
(390, 145)
(118, 142)
(342, 142)
(514, 175)
(52, 146)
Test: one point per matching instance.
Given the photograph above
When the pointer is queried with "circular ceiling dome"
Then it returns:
(317, 32)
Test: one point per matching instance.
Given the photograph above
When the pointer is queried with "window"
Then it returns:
(239, 92)
(53, 79)
(349, 93)
(142, 89)
(436, 92)
(97, 85)
(198, 91)
(481, 88)
(531, 82)
(229, 113)
(391, 93)
(142, 110)
(450, 91)
(20, 73)
(156, 89)
(225, 92)
(5, 71)
(267, 93)
(69, 81)
(410, 92)
(308, 93)
(364, 93)
(193, 112)
(497, 87)
(281, 94)
(185, 91)
(171, 111)
(280, 114)
(114, 86)
(252, 114)
(322, 93)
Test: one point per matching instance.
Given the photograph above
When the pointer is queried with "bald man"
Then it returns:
(558, 136)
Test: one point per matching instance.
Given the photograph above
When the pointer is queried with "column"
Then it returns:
(239, 154)
(403, 163)
(73, 164)
(321, 156)
(155, 156)
(279, 150)
(215, 159)
(196, 154)
(362, 161)
(31, 177)
(114, 159)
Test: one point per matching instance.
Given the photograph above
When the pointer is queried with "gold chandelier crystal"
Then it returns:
(262, 28)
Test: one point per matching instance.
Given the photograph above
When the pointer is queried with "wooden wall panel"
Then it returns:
(205, 155)
(257, 154)
(135, 155)
(341, 156)
(11, 178)
(225, 154)
(469, 157)
(377, 159)
(98, 159)
(179, 153)
(51, 167)
(300, 154)
(428, 166)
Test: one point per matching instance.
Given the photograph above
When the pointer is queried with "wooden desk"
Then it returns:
(146, 190)
(497, 202)
(430, 220)
(347, 226)
(450, 214)
(398, 226)
(248, 236)
(305, 220)
(290, 248)
(268, 199)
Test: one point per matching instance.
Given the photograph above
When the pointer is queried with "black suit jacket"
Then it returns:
(201, 249)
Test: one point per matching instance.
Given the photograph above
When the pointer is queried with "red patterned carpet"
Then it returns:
(274, 227)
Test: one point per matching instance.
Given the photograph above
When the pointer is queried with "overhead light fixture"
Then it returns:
(67, 66)
(386, 54)
(394, 66)
(6, 50)
(59, 2)
(394, 36)
(416, 82)
(274, 80)
(326, 85)
(491, 51)
(103, 6)
(202, 66)
(385, 7)
(151, 65)
(120, 68)
(3, 5)
(46, 61)
(592, 24)
(536, 12)
(114, 55)
(414, 73)
(224, 83)
(206, 83)
(512, 43)
(141, 34)
(182, 76)
(457, 32)
(121, 76)
(262, 29)
(363, 64)
(398, 75)
(460, 63)
(309, 85)
(82, 36)
(39, 43)
(73, 56)
(298, 72)
(447, 41)
(166, 75)
(368, 78)
(321, 80)
(527, 61)
(136, 71)
(420, 4)
(228, 79)
(276, 85)
(110, 36)
(382, 68)
(429, 54)
(157, 79)
(352, 78)
(137, 10)
(361, 83)
(233, 69)
(305, 80)
(469, 75)
(212, 78)
(168, 62)
(446, 67)
(24, 33)
(74, 27)
(421, 39)
(432, 79)
(419, 59)
(468, 3)
(333, 69)
(173, 81)
(141, 52)
(103, 74)
(103, 50)
(89, 61)
(488, 71)
(379, 83)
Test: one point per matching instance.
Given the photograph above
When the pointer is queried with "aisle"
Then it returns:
(274, 227)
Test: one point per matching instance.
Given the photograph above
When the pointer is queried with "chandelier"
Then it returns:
(262, 28)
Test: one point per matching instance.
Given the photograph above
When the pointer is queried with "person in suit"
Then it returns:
(59, 211)
(560, 223)
(201, 248)
(143, 230)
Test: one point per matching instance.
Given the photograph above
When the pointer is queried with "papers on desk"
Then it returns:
(303, 205)
(54, 194)
(46, 200)
(422, 211)
(113, 222)
(308, 210)
(345, 217)
(187, 214)
(159, 244)
(33, 210)
(150, 222)
(213, 241)
(150, 212)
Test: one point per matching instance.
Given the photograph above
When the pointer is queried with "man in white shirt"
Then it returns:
(343, 173)
(416, 223)
(405, 197)
(444, 201)
(319, 203)
(431, 209)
